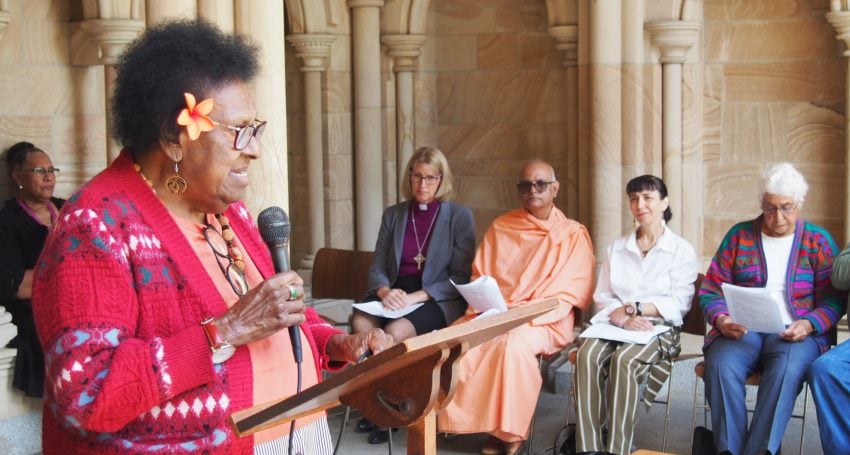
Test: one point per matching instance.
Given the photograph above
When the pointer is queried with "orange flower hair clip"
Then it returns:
(194, 118)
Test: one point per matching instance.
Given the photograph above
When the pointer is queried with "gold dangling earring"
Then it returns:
(176, 184)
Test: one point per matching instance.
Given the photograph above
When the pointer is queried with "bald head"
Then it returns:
(538, 188)
(538, 164)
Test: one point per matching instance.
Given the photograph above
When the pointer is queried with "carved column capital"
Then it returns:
(673, 38)
(313, 48)
(112, 35)
(566, 39)
(840, 20)
(404, 49)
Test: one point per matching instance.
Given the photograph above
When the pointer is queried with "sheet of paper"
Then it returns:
(754, 308)
(482, 294)
(376, 308)
(607, 331)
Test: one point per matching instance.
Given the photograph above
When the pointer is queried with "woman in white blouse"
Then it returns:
(647, 280)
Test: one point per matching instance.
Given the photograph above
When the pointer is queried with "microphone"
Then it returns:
(275, 230)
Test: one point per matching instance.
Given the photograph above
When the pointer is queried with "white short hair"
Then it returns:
(783, 180)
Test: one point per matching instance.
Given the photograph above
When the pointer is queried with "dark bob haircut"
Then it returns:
(650, 183)
(17, 154)
(167, 60)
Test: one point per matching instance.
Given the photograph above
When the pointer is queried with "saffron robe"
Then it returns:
(531, 260)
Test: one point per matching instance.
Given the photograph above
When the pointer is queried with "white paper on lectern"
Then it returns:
(608, 331)
(376, 308)
(483, 294)
(754, 308)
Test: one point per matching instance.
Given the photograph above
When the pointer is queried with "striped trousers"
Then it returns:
(312, 439)
(608, 378)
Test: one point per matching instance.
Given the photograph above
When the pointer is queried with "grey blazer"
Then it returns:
(450, 253)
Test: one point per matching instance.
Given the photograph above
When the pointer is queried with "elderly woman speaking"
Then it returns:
(792, 259)
(155, 297)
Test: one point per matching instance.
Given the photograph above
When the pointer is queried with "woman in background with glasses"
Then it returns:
(24, 224)
(156, 297)
(424, 243)
(791, 260)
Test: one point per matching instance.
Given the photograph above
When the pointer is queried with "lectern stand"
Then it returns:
(401, 386)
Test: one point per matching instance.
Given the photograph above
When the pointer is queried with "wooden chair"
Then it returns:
(694, 324)
(340, 275)
(754, 380)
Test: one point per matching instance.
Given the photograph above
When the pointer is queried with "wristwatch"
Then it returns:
(630, 308)
(221, 349)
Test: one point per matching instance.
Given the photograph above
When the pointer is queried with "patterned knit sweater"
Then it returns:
(118, 299)
(740, 260)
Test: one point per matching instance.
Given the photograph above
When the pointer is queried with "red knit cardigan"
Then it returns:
(118, 297)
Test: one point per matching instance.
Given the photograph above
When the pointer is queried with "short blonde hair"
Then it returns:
(433, 157)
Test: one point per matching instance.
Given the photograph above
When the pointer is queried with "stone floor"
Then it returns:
(551, 417)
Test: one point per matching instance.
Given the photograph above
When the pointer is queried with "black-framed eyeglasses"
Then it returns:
(786, 209)
(524, 186)
(244, 133)
(231, 271)
(43, 171)
(417, 178)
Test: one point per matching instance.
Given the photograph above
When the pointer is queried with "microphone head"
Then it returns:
(274, 226)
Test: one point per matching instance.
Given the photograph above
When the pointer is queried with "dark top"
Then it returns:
(449, 254)
(21, 241)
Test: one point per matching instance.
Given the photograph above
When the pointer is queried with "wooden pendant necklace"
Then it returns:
(420, 258)
(226, 231)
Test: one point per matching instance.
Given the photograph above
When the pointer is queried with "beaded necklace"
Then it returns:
(226, 231)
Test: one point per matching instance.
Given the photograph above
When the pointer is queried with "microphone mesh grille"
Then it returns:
(274, 226)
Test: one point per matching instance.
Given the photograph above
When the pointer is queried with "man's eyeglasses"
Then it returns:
(417, 178)
(43, 171)
(524, 186)
(786, 209)
(230, 270)
(244, 133)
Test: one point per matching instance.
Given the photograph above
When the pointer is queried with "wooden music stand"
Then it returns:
(400, 386)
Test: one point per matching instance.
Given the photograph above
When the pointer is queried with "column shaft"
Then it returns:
(263, 22)
(159, 10)
(368, 175)
(605, 122)
(404, 123)
(314, 153)
(671, 140)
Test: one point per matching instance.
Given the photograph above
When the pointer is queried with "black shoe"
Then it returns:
(380, 435)
(364, 426)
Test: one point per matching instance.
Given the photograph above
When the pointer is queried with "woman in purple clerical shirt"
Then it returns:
(424, 244)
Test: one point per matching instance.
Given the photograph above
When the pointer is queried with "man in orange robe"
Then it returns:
(534, 253)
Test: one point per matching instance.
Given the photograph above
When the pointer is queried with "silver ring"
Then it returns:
(293, 292)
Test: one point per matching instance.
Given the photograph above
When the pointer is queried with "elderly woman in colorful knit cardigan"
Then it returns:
(155, 298)
(792, 259)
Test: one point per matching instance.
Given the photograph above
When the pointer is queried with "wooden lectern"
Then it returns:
(402, 386)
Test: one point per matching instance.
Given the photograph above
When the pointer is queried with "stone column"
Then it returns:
(314, 50)
(605, 122)
(219, 12)
(112, 25)
(839, 17)
(263, 22)
(673, 39)
(405, 50)
(160, 10)
(5, 17)
(368, 181)
(566, 37)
